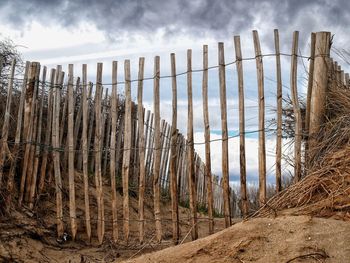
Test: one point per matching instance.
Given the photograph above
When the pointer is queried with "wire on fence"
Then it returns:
(61, 86)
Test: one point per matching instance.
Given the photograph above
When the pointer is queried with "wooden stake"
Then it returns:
(225, 164)
(86, 154)
(104, 117)
(190, 150)
(141, 147)
(108, 136)
(319, 87)
(308, 99)
(30, 167)
(242, 158)
(63, 118)
(207, 139)
(262, 150)
(47, 133)
(90, 132)
(16, 148)
(114, 111)
(5, 127)
(98, 154)
(88, 98)
(71, 153)
(173, 155)
(56, 153)
(77, 122)
(29, 109)
(127, 150)
(38, 141)
(157, 150)
(296, 108)
(279, 114)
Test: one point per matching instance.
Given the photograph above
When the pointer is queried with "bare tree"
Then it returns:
(8, 52)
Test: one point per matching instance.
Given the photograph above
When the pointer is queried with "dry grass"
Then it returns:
(325, 191)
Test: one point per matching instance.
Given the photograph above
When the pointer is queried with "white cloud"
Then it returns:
(251, 157)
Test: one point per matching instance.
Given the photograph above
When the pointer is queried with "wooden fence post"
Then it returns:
(77, 124)
(157, 150)
(279, 114)
(86, 153)
(56, 146)
(190, 150)
(262, 150)
(173, 154)
(47, 133)
(114, 113)
(29, 109)
(141, 146)
(5, 127)
(98, 155)
(71, 153)
(242, 157)
(32, 143)
(225, 164)
(319, 87)
(10, 181)
(126, 149)
(38, 141)
(296, 108)
(208, 175)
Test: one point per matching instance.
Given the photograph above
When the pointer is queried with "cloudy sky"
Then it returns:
(90, 31)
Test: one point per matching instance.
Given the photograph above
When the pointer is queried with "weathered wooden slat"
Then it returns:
(77, 123)
(242, 156)
(104, 116)
(319, 87)
(225, 163)
(262, 150)
(141, 150)
(85, 155)
(98, 154)
(66, 152)
(190, 150)
(126, 150)
(119, 150)
(157, 150)
(150, 148)
(207, 139)
(71, 153)
(29, 108)
(114, 116)
(38, 142)
(47, 133)
(164, 127)
(108, 137)
(174, 155)
(296, 108)
(63, 120)
(16, 148)
(30, 167)
(90, 133)
(56, 154)
(166, 160)
(279, 114)
(80, 152)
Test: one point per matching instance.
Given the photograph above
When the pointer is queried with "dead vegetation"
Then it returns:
(325, 191)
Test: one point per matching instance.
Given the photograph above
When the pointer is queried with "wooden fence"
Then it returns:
(66, 124)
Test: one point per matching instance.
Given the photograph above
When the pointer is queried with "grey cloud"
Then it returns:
(199, 16)
(196, 17)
